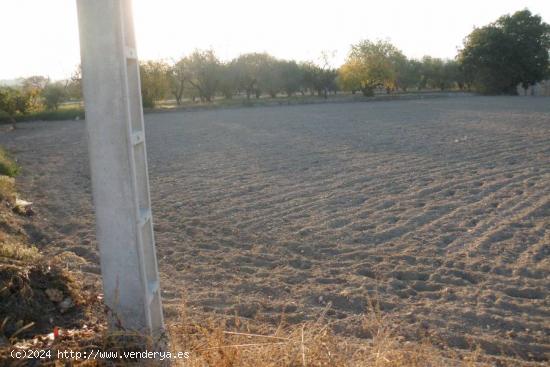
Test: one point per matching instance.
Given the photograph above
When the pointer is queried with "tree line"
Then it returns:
(202, 76)
(494, 59)
(38, 93)
(370, 65)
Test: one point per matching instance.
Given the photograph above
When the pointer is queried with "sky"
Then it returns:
(40, 37)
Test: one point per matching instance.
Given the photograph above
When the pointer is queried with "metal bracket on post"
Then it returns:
(118, 162)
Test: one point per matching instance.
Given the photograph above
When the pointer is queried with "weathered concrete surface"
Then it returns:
(118, 166)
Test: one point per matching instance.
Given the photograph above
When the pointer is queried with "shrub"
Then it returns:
(59, 115)
(13, 102)
(19, 251)
(7, 166)
(54, 94)
(5, 117)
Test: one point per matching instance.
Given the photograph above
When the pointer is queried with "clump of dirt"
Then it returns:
(40, 295)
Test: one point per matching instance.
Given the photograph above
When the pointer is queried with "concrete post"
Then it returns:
(116, 143)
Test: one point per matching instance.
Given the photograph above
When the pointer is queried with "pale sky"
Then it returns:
(41, 36)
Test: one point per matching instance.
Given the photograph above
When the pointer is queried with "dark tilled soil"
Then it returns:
(436, 210)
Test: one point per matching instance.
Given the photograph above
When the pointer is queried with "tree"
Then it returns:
(370, 65)
(453, 75)
(511, 51)
(35, 82)
(349, 76)
(409, 73)
(54, 93)
(203, 71)
(249, 69)
(14, 102)
(440, 74)
(433, 72)
(154, 82)
(269, 78)
(178, 79)
(74, 85)
(291, 76)
(319, 79)
(33, 86)
(228, 80)
(398, 63)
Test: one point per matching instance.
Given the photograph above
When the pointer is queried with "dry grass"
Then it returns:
(18, 251)
(7, 189)
(8, 169)
(12, 246)
(234, 342)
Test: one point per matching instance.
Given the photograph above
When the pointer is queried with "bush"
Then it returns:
(147, 101)
(7, 166)
(13, 102)
(5, 117)
(59, 115)
(54, 94)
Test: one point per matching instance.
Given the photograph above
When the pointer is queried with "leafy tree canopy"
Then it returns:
(370, 65)
(511, 51)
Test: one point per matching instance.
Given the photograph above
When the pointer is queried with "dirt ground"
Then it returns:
(438, 210)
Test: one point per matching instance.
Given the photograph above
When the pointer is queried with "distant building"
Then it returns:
(539, 89)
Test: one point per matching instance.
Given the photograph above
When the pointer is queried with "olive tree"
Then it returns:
(291, 76)
(251, 72)
(318, 79)
(13, 102)
(228, 80)
(369, 65)
(203, 73)
(154, 81)
(74, 85)
(54, 93)
(33, 87)
(177, 79)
